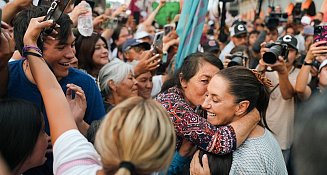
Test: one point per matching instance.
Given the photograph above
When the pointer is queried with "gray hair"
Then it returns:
(116, 71)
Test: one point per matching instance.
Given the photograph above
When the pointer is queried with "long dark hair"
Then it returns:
(115, 36)
(190, 67)
(20, 126)
(245, 85)
(85, 47)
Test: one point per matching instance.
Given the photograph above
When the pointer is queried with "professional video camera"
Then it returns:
(274, 19)
(237, 59)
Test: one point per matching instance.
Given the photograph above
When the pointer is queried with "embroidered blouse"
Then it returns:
(195, 128)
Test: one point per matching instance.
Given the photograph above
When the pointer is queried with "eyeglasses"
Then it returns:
(53, 13)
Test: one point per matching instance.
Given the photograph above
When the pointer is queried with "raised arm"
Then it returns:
(193, 127)
(150, 19)
(58, 111)
(12, 8)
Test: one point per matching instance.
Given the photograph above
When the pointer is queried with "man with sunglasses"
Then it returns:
(58, 52)
(238, 33)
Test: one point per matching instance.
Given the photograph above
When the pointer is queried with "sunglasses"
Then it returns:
(54, 13)
(259, 24)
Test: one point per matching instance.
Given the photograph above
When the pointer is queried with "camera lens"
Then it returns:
(271, 56)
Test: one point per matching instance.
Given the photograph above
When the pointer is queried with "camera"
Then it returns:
(275, 50)
(316, 64)
(273, 20)
(237, 59)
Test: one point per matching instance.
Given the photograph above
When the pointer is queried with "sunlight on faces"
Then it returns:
(144, 84)
(196, 87)
(219, 103)
(59, 56)
(100, 55)
(128, 87)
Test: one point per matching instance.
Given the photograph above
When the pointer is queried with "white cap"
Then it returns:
(306, 20)
(322, 65)
(141, 34)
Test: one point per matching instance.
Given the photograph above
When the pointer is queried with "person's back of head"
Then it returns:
(310, 155)
(139, 133)
(22, 19)
(218, 164)
(190, 67)
(20, 126)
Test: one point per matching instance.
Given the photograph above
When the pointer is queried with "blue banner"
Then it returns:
(189, 29)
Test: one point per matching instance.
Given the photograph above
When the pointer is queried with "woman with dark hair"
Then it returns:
(182, 97)
(119, 36)
(23, 141)
(232, 94)
(92, 53)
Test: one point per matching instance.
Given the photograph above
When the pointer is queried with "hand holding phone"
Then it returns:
(158, 43)
(320, 34)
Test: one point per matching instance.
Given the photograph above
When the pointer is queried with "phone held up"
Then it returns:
(320, 34)
(158, 42)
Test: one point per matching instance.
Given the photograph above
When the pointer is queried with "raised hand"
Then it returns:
(78, 104)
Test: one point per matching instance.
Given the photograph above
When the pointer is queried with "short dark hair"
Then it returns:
(23, 18)
(190, 67)
(218, 164)
(20, 126)
(244, 85)
(85, 47)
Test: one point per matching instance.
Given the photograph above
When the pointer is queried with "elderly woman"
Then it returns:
(124, 136)
(117, 83)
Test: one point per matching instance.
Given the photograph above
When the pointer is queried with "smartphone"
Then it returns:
(158, 42)
(320, 34)
(110, 23)
(168, 28)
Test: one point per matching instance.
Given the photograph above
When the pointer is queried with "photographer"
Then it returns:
(281, 108)
(302, 88)
(238, 33)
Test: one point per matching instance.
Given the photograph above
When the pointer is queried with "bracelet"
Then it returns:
(26, 48)
(306, 63)
(33, 54)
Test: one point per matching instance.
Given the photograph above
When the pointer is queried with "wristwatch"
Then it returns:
(307, 64)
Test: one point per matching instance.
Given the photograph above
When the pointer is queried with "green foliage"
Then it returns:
(167, 13)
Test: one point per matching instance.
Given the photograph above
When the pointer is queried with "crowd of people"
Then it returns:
(251, 100)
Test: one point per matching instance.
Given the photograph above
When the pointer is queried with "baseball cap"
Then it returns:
(322, 65)
(238, 29)
(210, 46)
(141, 34)
(289, 40)
(135, 42)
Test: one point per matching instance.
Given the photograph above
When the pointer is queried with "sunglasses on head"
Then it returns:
(54, 13)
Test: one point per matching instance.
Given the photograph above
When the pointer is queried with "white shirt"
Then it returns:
(226, 50)
(73, 154)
